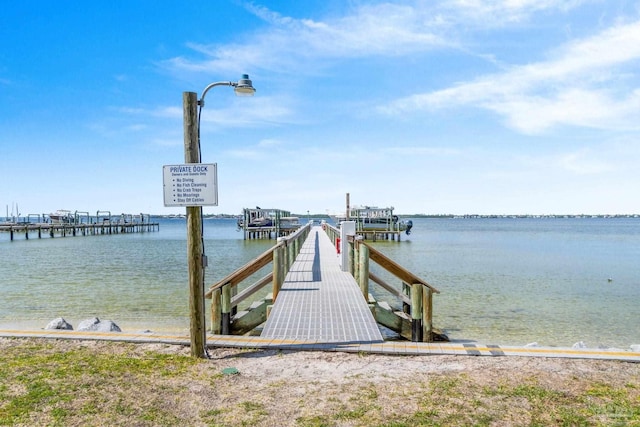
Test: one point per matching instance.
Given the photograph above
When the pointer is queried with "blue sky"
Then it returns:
(437, 107)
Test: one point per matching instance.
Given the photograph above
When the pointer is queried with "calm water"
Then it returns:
(502, 281)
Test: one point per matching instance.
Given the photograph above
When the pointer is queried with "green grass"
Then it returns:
(49, 383)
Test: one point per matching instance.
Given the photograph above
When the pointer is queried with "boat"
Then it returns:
(289, 222)
(373, 218)
(254, 222)
(62, 216)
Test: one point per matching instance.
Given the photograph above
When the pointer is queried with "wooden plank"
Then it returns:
(394, 268)
(389, 288)
(245, 271)
(250, 290)
(250, 319)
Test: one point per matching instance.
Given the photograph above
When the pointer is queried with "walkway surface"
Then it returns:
(386, 347)
(319, 301)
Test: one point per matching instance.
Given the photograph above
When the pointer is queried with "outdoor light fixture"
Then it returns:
(242, 87)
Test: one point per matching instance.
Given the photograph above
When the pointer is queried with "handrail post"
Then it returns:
(406, 290)
(226, 309)
(416, 312)
(216, 312)
(278, 269)
(352, 254)
(363, 267)
(427, 314)
(291, 256)
(356, 260)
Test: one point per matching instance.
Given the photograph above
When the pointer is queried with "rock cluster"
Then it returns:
(93, 324)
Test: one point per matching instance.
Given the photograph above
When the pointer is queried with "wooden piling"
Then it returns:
(216, 312)
(225, 302)
(291, 255)
(278, 270)
(363, 267)
(416, 312)
(351, 245)
(427, 314)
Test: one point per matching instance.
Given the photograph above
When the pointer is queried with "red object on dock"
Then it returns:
(338, 245)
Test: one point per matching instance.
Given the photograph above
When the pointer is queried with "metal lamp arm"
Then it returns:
(206, 89)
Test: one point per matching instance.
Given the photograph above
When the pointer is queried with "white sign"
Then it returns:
(191, 184)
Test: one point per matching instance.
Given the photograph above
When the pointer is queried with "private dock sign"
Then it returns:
(191, 184)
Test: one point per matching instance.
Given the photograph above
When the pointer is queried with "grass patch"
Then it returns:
(45, 382)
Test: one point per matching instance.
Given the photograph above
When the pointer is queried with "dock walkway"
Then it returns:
(318, 301)
(404, 348)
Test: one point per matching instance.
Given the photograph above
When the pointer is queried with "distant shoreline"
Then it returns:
(435, 216)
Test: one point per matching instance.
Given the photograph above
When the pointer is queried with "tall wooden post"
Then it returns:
(348, 207)
(225, 303)
(216, 311)
(416, 312)
(195, 249)
(427, 314)
(278, 269)
(352, 253)
(363, 268)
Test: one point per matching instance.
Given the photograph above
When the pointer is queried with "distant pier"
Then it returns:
(80, 224)
(262, 223)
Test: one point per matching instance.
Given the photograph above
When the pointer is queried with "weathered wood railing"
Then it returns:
(224, 297)
(415, 321)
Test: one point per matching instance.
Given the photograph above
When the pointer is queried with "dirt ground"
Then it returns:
(280, 388)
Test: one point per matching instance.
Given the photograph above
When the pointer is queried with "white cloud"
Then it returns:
(498, 13)
(385, 29)
(590, 82)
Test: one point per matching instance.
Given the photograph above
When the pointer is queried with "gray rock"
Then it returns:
(108, 326)
(59, 323)
(89, 324)
(98, 325)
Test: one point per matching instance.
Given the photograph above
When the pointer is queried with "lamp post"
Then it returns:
(196, 260)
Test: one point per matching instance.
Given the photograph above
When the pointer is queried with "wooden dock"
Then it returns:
(90, 228)
(319, 301)
(316, 298)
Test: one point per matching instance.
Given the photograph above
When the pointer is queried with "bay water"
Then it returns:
(510, 281)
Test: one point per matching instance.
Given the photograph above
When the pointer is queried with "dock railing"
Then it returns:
(415, 321)
(225, 297)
